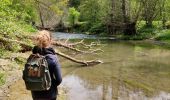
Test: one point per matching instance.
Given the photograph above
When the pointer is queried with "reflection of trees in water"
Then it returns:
(135, 77)
(142, 69)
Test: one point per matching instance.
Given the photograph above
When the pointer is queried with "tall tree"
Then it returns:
(151, 9)
(90, 12)
(163, 13)
(49, 12)
(124, 16)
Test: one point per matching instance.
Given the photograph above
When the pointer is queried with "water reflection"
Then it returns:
(78, 90)
(130, 72)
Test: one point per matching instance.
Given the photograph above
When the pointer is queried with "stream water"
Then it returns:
(132, 70)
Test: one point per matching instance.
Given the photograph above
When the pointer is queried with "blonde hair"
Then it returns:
(43, 39)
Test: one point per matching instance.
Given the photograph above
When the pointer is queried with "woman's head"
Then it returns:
(43, 39)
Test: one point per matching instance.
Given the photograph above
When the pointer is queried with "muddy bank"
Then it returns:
(17, 91)
(11, 66)
(11, 74)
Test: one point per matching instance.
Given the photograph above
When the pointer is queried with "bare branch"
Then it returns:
(85, 63)
(75, 49)
(28, 47)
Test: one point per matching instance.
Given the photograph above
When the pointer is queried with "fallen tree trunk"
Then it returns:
(27, 47)
(86, 63)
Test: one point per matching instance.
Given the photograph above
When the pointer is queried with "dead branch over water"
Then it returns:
(27, 47)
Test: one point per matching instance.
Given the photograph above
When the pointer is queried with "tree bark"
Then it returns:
(130, 28)
(112, 28)
(124, 12)
(40, 14)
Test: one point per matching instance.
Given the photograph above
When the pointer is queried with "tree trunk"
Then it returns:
(40, 14)
(130, 29)
(124, 12)
(110, 23)
(85, 63)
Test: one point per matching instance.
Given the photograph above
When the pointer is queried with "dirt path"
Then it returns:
(17, 91)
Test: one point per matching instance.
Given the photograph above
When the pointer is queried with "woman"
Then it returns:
(43, 47)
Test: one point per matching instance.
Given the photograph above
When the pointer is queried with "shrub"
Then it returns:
(163, 35)
(167, 24)
(97, 28)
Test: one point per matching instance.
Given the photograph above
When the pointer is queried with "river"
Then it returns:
(132, 70)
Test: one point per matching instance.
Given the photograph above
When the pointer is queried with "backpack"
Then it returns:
(36, 73)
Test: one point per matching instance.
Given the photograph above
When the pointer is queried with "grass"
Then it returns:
(4, 53)
(2, 79)
(20, 60)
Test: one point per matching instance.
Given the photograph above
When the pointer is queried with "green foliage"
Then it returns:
(98, 28)
(163, 35)
(98, 13)
(90, 10)
(73, 16)
(136, 37)
(145, 32)
(20, 60)
(93, 13)
(146, 29)
(4, 53)
(167, 24)
(2, 78)
(15, 22)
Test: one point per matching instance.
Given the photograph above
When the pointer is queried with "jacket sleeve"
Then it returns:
(57, 72)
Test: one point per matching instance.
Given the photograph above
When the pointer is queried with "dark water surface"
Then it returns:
(131, 71)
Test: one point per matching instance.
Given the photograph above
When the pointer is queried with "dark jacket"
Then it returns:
(55, 73)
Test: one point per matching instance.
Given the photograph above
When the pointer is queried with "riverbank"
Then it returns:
(11, 66)
(13, 87)
(17, 91)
